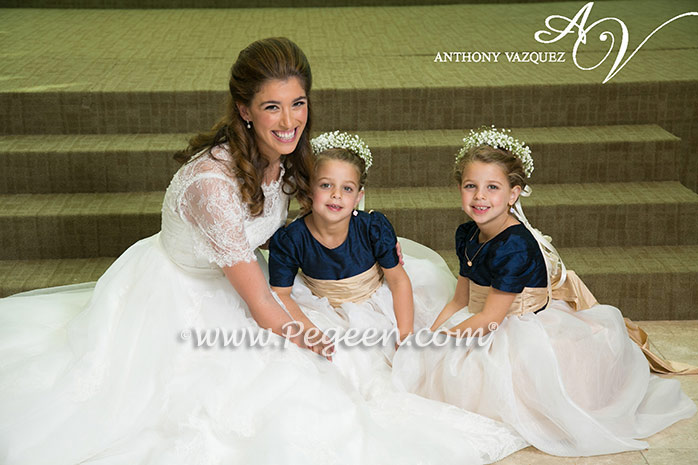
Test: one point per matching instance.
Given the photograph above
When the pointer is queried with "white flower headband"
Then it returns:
(498, 139)
(342, 140)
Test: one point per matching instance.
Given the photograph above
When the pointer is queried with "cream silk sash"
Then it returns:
(354, 289)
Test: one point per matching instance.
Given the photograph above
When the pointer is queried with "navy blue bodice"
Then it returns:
(370, 239)
(510, 261)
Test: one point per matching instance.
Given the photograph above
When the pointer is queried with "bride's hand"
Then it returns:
(398, 249)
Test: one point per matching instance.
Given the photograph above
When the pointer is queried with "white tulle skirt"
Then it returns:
(571, 383)
(109, 373)
(367, 330)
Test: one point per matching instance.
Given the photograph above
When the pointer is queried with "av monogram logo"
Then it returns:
(579, 22)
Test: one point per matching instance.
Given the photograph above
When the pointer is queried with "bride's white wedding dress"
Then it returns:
(108, 373)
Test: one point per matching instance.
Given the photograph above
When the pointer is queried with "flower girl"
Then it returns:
(352, 285)
(559, 367)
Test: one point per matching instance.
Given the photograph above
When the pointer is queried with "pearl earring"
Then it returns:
(249, 125)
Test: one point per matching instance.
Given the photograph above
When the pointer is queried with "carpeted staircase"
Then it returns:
(92, 112)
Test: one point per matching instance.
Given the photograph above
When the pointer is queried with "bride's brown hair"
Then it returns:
(261, 61)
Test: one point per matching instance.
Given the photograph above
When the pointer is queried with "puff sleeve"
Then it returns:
(211, 203)
(514, 264)
(383, 241)
(283, 259)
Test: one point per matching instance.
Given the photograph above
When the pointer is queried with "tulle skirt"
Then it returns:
(135, 369)
(571, 383)
(367, 330)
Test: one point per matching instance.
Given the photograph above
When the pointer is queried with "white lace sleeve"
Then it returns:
(212, 205)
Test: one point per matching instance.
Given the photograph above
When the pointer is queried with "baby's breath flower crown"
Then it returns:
(498, 139)
(342, 140)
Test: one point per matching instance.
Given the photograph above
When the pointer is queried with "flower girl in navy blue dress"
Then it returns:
(556, 365)
(352, 284)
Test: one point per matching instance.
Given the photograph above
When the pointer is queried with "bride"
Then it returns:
(110, 373)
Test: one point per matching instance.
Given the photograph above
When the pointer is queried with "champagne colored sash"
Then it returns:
(574, 292)
(354, 289)
(657, 363)
(528, 300)
(564, 284)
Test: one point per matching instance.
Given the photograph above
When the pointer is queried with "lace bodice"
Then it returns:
(205, 223)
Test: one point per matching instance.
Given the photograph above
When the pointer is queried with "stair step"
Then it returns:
(143, 162)
(38, 226)
(189, 111)
(645, 283)
(24, 275)
(575, 215)
(624, 153)
(35, 226)
(88, 163)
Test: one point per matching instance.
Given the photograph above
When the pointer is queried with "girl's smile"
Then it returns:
(479, 210)
(486, 196)
(336, 191)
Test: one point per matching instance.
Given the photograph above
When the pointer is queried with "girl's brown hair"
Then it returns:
(347, 156)
(340, 154)
(510, 163)
(260, 62)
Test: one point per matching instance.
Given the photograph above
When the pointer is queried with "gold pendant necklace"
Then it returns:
(477, 230)
(470, 260)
